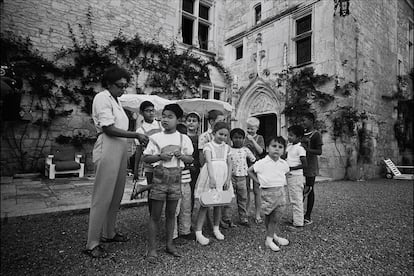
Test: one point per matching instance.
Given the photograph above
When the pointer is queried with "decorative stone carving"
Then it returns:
(262, 104)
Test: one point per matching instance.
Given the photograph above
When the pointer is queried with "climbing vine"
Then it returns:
(302, 93)
(76, 71)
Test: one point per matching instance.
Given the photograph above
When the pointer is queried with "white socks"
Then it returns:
(217, 233)
(201, 239)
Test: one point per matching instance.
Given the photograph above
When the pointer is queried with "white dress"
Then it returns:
(219, 155)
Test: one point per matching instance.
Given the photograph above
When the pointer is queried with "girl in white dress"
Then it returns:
(215, 174)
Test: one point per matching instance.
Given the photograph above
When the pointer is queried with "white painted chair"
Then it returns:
(64, 164)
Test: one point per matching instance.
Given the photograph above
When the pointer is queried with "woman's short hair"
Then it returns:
(113, 74)
(253, 121)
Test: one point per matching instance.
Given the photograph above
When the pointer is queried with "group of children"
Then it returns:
(181, 165)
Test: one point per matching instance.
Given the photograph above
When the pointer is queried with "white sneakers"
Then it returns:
(201, 239)
(279, 240)
(218, 235)
(271, 245)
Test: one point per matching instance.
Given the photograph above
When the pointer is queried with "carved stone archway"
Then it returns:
(260, 99)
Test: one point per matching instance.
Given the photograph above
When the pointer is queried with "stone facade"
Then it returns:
(363, 48)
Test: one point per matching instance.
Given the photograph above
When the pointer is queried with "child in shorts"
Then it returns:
(270, 172)
(169, 150)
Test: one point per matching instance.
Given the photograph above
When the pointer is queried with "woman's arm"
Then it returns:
(117, 132)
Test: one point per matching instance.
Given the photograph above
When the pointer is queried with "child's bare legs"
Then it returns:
(155, 215)
(199, 227)
(257, 202)
(216, 223)
(271, 228)
(170, 209)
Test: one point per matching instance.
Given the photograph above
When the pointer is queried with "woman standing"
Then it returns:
(110, 160)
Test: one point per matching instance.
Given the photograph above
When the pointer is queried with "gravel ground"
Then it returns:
(360, 228)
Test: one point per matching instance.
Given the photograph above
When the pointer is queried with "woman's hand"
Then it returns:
(142, 138)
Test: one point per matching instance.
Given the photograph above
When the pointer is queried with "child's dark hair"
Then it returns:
(144, 105)
(175, 108)
(309, 115)
(213, 114)
(237, 130)
(277, 139)
(182, 128)
(297, 130)
(220, 125)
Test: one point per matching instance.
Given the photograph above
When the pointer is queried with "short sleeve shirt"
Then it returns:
(167, 143)
(294, 152)
(271, 173)
(239, 158)
(107, 111)
(313, 140)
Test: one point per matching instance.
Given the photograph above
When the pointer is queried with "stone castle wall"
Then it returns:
(46, 23)
(361, 48)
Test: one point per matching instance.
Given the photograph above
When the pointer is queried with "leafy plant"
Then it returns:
(302, 92)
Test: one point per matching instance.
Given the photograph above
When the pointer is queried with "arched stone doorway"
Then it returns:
(261, 101)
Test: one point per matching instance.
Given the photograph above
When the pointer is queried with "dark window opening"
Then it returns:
(217, 95)
(203, 12)
(187, 31)
(257, 14)
(205, 94)
(303, 25)
(203, 36)
(239, 52)
(303, 50)
(188, 6)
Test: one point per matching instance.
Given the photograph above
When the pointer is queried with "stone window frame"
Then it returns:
(295, 38)
(237, 45)
(254, 9)
(212, 89)
(197, 20)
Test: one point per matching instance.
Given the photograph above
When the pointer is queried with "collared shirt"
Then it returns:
(271, 173)
(294, 153)
(239, 158)
(106, 111)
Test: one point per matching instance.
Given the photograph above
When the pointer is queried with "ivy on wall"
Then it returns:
(51, 87)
